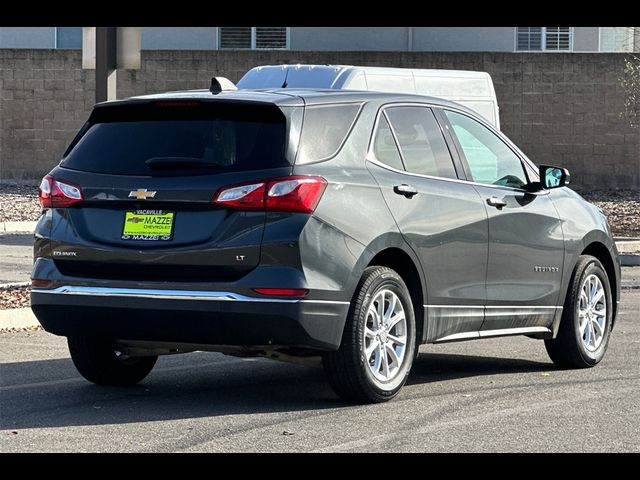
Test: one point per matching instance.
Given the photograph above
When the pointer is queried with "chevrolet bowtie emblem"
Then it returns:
(141, 194)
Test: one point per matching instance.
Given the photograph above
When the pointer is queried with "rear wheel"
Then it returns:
(378, 343)
(585, 326)
(100, 362)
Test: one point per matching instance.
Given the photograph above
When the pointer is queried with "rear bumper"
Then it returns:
(183, 316)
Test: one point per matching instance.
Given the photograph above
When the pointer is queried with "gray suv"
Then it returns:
(297, 224)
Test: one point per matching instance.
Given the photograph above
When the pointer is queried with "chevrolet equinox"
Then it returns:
(297, 224)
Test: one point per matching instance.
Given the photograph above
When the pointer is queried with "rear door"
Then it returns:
(441, 218)
(526, 246)
(148, 174)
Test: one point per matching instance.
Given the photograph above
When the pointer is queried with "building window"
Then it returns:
(616, 39)
(538, 39)
(254, 38)
(69, 37)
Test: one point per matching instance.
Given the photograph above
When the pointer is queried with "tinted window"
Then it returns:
(324, 129)
(422, 145)
(179, 141)
(490, 159)
(384, 146)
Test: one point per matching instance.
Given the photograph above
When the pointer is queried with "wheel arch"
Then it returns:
(601, 252)
(409, 269)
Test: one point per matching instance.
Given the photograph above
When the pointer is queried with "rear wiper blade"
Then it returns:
(178, 162)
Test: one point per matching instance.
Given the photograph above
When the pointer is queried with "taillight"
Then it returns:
(58, 193)
(287, 194)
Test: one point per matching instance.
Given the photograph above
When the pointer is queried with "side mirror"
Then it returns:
(554, 177)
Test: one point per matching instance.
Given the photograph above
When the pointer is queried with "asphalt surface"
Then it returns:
(16, 258)
(488, 395)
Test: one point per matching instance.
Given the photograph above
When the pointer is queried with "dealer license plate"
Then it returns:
(148, 225)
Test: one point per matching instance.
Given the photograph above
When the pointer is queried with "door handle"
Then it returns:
(406, 190)
(497, 202)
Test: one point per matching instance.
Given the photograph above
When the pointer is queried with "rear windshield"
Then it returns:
(170, 138)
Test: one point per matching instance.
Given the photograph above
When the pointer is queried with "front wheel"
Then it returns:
(378, 343)
(100, 362)
(585, 326)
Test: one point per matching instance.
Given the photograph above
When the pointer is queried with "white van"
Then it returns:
(471, 89)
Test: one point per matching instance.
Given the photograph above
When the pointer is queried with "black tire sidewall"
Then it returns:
(388, 280)
(593, 267)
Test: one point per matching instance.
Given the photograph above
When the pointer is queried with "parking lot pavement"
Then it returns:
(491, 395)
(16, 258)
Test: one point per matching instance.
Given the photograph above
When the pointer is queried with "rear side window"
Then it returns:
(324, 129)
(422, 145)
(155, 141)
(384, 146)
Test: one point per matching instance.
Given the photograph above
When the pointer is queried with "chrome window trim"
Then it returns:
(171, 294)
(371, 157)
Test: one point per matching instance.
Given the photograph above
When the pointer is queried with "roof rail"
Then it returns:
(219, 84)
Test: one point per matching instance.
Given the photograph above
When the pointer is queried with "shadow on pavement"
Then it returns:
(50, 393)
(18, 240)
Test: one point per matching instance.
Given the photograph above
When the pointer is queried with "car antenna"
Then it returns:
(220, 84)
(286, 76)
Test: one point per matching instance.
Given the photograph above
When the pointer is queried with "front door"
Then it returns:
(441, 218)
(526, 247)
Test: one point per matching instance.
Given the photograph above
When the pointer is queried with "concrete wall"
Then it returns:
(179, 38)
(560, 108)
(586, 39)
(435, 39)
(27, 37)
(464, 39)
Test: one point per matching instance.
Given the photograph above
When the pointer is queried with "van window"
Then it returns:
(157, 141)
(422, 145)
(384, 146)
(324, 129)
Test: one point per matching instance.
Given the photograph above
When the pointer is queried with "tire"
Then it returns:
(97, 361)
(353, 376)
(572, 348)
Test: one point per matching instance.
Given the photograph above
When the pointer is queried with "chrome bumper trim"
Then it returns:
(168, 294)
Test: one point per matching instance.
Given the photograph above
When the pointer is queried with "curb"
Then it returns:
(630, 259)
(18, 318)
(17, 227)
(14, 285)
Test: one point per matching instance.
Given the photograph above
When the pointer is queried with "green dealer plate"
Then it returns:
(148, 225)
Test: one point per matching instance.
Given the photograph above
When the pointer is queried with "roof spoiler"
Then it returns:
(220, 84)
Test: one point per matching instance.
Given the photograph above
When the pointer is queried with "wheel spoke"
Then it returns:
(390, 309)
(397, 340)
(597, 328)
(395, 360)
(395, 319)
(385, 362)
(592, 339)
(371, 348)
(597, 297)
(601, 312)
(368, 333)
(380, 311)
(583, 325)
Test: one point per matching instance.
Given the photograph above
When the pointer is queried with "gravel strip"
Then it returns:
(22, 329)
(622, 207)
(14, 297)
(19, 203)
